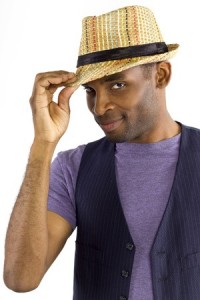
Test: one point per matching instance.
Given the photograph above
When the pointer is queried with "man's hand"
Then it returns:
(51, 118)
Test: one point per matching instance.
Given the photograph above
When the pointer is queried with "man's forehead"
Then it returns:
(117, 76)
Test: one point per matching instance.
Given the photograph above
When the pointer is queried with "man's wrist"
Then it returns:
(42, 151)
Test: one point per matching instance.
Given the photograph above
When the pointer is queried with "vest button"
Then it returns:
(122, 298)
(125, 274)
(129, 246)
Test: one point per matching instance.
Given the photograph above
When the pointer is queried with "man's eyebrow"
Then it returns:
(113, 77)
(117, 76)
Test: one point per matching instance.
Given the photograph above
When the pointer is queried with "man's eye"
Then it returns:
(88, 89)
(118, 85)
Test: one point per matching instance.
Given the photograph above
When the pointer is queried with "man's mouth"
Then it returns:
(110, 125)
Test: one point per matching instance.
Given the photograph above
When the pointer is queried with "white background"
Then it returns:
(43, 35)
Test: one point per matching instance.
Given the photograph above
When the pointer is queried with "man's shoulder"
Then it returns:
(190, 130)
(73, 152)
(77, 152)
(190, 139)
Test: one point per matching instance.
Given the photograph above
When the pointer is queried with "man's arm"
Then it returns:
(35, 236)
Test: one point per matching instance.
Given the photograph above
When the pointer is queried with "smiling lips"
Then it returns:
(110, 125)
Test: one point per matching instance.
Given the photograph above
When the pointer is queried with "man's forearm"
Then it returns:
(27, 236)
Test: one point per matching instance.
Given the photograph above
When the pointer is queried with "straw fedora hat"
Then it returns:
(118, 40)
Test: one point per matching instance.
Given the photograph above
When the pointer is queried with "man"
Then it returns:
(133, 195)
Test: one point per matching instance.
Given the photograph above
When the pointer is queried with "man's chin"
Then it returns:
(115, 138)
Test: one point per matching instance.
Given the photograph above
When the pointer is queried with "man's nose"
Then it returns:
(102, 103)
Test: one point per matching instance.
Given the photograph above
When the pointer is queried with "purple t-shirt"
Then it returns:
(145, 174)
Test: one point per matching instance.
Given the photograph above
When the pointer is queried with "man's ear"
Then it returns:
(163, 74)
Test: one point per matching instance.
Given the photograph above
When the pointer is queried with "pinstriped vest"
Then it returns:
(104, 247)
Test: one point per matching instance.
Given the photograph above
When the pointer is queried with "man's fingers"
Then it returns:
(51, 81)
(46, 85)
(64, 96)
(53, 74)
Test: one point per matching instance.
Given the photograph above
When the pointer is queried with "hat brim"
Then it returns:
(95, 71)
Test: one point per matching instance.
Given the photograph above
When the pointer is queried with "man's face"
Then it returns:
(125, 104)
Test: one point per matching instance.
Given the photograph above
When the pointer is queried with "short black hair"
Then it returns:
(147, 70)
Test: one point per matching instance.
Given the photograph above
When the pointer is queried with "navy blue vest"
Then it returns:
(104, 247)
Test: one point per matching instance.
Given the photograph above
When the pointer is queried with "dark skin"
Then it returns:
(130, 107)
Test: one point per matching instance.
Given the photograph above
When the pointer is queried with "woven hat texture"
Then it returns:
(107, 38)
